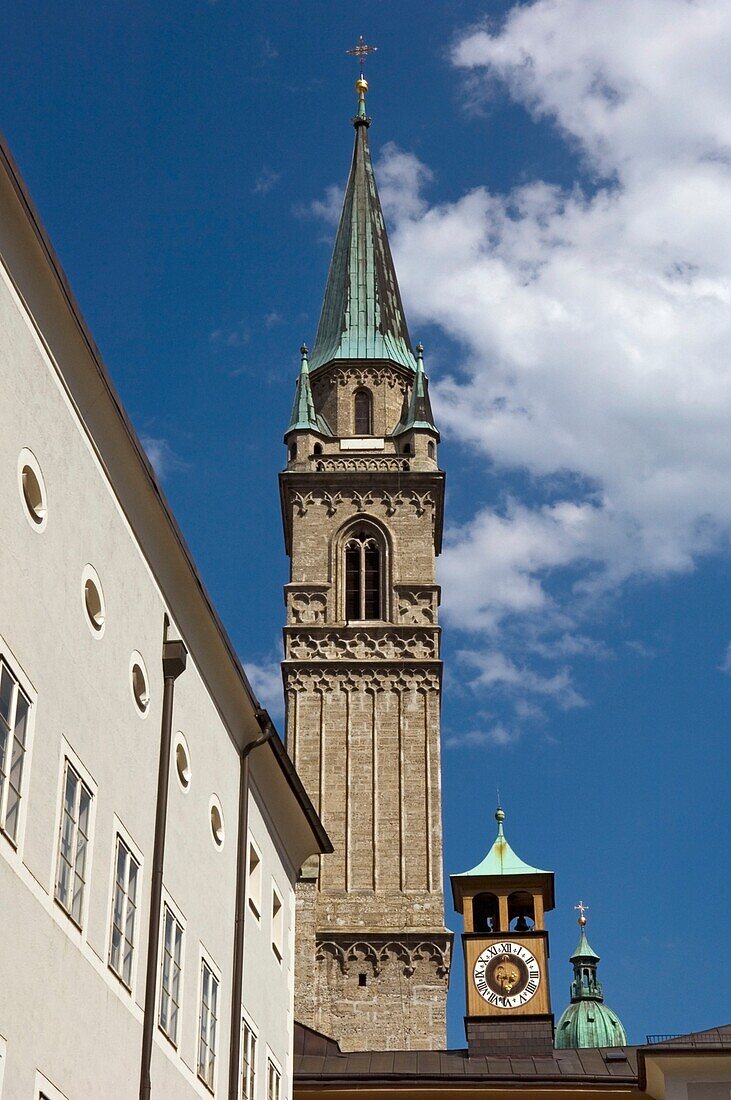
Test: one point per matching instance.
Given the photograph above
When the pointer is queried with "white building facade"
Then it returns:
(109, 651)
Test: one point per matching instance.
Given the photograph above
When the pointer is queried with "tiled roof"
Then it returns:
(320, 1062)
(328, 1066)
(711, 1038)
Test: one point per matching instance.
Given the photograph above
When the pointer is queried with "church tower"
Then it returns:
(362, 503)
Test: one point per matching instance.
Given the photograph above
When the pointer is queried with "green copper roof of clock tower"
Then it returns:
(501, 859)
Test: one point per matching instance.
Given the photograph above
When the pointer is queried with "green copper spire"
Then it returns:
(362, 315)
(587, 1022)
(501, 859)
(304, 417)
(418, 414)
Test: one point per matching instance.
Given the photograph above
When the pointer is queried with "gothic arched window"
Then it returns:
(363, 408)
(363, 597)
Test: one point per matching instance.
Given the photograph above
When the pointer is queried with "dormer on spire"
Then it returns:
(362, 313)
(304, 417)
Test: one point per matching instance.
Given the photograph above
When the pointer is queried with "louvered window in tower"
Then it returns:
(362, 578)
(363, 412)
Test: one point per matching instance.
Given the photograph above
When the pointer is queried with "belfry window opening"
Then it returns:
(363, 409)
(362, 577)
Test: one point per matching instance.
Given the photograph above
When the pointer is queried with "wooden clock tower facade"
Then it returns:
(503, 901)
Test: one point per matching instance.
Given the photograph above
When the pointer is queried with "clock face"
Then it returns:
(506, 974)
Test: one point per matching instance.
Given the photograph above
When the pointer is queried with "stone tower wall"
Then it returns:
(362, 722)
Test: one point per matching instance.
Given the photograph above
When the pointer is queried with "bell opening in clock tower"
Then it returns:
(362, 505)
(505, 942)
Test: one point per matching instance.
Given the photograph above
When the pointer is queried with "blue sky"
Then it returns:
(556, 182)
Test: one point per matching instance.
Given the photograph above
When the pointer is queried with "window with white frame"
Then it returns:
(274, 1082)
(124, 913)
(170, 987)
(277, 924)
(207, 1025)
(14, 710)
(73, 843)
(254, 880)
(248, 1061)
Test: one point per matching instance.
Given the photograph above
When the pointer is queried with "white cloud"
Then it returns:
(498, 672)
(328, 208)
(265, 678)
(725, 665)
(237, 337)
(401, 178)
(498, 735)
(163, 458)
(595, 321)
(266, 181)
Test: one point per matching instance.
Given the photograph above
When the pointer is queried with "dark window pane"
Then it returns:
(363, 413)
(352, 582)
(372, 583)
(21, 718)
(6, 693)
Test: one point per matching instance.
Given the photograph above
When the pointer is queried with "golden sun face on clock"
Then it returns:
(506, 974)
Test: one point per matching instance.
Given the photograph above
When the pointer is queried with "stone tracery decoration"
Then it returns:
(416, 606)
(307, 607)
(365, 677)
(379, 954)
(338, 463)
(420, 502)
(362, 645)
(375, 375)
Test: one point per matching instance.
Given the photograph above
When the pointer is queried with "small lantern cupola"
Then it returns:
(504, 901)
(587, 1022)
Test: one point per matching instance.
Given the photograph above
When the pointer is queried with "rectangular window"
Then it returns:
(73, 844)
(254, 881)
(172, 951)
(124, 913)
(277, 924)
(274, 1081)
(248, 1068)
(207, 1025)
(14, 709)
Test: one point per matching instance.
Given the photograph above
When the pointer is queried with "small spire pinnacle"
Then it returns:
(418, 413)
(304, 416)
(361, 51)
(500, 817)
(582, 913)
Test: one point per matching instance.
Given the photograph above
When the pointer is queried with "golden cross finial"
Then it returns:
(361, 51)
(582, 912)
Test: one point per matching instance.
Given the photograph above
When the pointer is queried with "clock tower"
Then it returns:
(503, 901)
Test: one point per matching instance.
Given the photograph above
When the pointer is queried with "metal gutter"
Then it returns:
(242, 859)
(174, 658)
(367, 1083)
